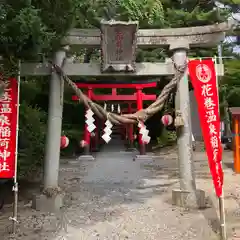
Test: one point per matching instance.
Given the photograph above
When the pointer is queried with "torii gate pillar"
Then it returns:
(142, 149)
(52, 200)
(130, 130)
(87, 134)
(187, 191)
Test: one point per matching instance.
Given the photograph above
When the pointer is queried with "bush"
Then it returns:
(32, 132)
(167, 138)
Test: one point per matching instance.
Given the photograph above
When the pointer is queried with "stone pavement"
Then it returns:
(114, 197)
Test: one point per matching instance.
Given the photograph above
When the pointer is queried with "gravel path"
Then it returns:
(116, 198)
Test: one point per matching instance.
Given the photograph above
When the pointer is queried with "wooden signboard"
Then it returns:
(118, 46)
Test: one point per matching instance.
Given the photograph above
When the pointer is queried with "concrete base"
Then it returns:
(47, 204)
(142, 157)
(86, 158)
(188, 199)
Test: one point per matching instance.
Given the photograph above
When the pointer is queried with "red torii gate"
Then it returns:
(137, 97)
(129, 131)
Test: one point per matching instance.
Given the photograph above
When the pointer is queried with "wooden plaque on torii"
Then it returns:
(118, 46)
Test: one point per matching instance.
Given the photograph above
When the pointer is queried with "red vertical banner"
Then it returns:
(203, 77)
(8, 129)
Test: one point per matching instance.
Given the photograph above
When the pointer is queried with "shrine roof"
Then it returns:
(235, 111)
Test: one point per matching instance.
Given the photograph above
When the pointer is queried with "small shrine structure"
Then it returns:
(235, 111)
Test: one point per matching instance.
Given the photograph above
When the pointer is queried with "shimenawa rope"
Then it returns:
(141, 115)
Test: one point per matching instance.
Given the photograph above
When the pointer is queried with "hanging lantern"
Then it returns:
(167, 120)
(64, 142)
(83, 143)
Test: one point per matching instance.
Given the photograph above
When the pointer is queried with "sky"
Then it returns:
(235, 16)
(234, 39)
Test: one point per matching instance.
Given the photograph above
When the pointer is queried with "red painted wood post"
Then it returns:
(142, 149)
(110, 97)
(130, 128)
(110, 85)
(102, 125)
(87, 135)
(96, 137)
(237, 145)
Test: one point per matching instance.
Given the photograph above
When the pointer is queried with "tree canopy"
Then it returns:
(30, 28)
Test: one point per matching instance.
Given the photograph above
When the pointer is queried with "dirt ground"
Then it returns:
(117, 198)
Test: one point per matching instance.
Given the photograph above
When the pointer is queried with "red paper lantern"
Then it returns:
(64, 142)
(167, 120)
(83, 143)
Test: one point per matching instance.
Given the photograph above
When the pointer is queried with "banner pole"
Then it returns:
(223, 231)
(15, 184)
(215, 65)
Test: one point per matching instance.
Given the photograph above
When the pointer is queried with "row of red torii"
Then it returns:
(127, 131)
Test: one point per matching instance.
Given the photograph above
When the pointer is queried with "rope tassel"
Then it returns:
(179, 122)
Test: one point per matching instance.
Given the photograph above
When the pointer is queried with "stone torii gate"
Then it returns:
(178, 40)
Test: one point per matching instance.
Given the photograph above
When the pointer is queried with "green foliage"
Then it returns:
(230, 85)
(147, 12)
(32, 132)
(32, 129)
(22, 32)
(33, 126)
(30, 28)
(167, 138)
(193, 13)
